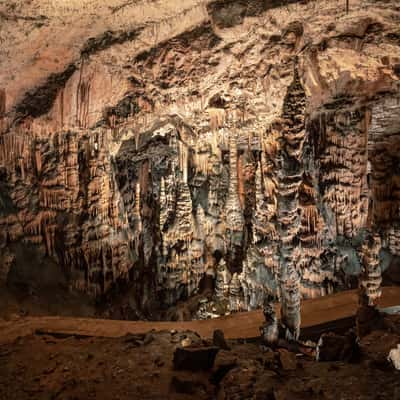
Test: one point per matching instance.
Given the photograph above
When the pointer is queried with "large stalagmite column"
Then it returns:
(290, 178)
(371, 274)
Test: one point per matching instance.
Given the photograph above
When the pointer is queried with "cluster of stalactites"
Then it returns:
(16, 153)
(67, 214)
(42, 229)
(343, 167)
(182, 230)
(217, 118)
(97, 264)
(201, 161)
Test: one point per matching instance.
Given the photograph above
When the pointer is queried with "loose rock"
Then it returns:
(195, 358)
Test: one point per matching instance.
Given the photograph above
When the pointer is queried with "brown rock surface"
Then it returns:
(148, 144)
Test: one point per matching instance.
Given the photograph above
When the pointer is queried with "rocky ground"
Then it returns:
(43, 366)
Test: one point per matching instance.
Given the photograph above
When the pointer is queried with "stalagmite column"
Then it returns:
(371, 273)
(234, 214)
(371, 277)
(260, 215)
(269, 331)
(163, 204)
(290, 178)
(137, 208)
(234, 293)
(222, 280)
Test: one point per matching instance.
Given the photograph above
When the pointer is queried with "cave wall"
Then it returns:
(259, 149)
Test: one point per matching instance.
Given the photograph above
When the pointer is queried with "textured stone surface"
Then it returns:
(155, 144)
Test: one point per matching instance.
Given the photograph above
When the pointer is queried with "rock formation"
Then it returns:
(254, 142)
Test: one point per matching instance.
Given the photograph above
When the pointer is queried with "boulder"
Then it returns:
(394, 357)
(333, 347)
(368, 319)
(288, 360)
(219, 340)
(195, 358)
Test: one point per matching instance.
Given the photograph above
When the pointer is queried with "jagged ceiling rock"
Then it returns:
(156, 142)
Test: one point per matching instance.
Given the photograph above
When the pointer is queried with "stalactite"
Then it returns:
(13, 148)
(241, 183)
(3, 106)
(183, 161)
(217, 118)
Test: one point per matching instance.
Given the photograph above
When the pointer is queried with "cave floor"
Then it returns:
(43, 366)
(71, 358)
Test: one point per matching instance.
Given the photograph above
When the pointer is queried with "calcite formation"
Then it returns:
(245, 141)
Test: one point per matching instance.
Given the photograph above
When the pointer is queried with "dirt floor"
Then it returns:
(141, 367)
(79, 359)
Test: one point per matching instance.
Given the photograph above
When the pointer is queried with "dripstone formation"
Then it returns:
(258, 149)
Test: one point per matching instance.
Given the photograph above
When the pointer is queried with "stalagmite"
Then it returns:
(163, 204)
(292, 144)
(222, 280)
(269, 331)
(234, 215)
(137, 208)
(260, 216)
(371, 278)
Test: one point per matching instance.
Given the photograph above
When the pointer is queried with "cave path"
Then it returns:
(314, 312)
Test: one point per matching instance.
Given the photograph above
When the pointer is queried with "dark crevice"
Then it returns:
(39, 101)
(108, 39)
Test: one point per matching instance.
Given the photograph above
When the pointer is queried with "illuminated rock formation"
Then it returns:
(290, 177)
(261, 149)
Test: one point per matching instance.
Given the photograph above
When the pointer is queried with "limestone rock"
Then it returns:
(150, 146)
(394, 357)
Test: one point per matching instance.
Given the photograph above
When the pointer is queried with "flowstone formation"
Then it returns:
(256, 146)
